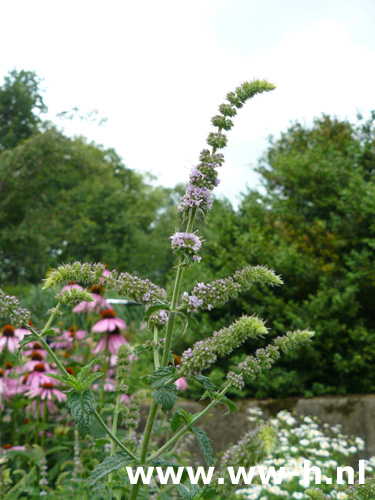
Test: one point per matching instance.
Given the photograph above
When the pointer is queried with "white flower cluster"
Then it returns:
(307, 439)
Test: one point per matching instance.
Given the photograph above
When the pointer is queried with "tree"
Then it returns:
(63, 199)
(21, 103)
(314, 226)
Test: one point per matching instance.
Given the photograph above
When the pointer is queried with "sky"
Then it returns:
(157, 70)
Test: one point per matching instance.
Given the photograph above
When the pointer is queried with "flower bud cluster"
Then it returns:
(84, 273)
(187, 244)
(159, 319)
(43, 482)
(123, 368)
(143, 291)
(207, 296)
(11, 307)
(133, 409)
(205, 352)
(253, 448)
(203, 179)
(265, 358)
(73, 295)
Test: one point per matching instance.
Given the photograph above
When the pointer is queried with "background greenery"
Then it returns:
(64, 199)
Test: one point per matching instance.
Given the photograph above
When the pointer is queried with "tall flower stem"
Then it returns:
(156, 348)
(167, 348)
(194, 420)
(114, 431)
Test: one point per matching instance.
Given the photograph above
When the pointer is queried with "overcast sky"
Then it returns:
(158, 69)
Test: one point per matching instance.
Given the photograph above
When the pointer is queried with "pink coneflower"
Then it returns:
(9, 447)
(69, 287)
(109, 322)
(111, 341)
(37, 375)
(66, 340)
(35, 346)
(10, 338)
(98, 303)
(181, 384)
(47, 390)
(110, 325)
(105, 273)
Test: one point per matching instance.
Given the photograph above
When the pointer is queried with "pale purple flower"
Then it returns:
(188, 243)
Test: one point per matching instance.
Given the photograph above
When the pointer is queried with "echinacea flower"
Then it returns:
(36, 375)
(69, 286)
(9, 447)
(98, 303)
(66, 340)
(109, 322)
(10, 338)
(47, 390)
(181, 384)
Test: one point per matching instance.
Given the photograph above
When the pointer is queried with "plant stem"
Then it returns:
(156, 348)
(114, 431)
(167, 347)
(45, 411)
(182, 431)
(112, 436)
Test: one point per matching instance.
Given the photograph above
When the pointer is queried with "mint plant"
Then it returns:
(86, 390)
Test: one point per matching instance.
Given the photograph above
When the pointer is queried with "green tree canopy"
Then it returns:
(315, 226)
(21, 103)
(63, 199)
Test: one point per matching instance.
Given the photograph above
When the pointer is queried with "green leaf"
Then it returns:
(81, 406)
(188, 491)
(166, 397)
(232, 407)
(204, 443)
(91, 379)
(164, 306)
(110, 464)
(50, 331)
(85, 369)
(30, 337)
(101, 442)
(63, 379)
(206, 382)
(180, 417)
(162, 375)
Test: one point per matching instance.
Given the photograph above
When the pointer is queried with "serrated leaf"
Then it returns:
(206, 382)
(188, 491)
(160, 376)
(232, 407)
(85, 369)
(110, 464)
(166, 397)
(180, 417)
(204, 443)
(101, 442)
(81, 406)
(91, 379)
(62, 379)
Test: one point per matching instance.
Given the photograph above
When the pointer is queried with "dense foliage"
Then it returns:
(315, 225)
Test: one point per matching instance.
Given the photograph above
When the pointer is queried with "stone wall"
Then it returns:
(356, 414)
